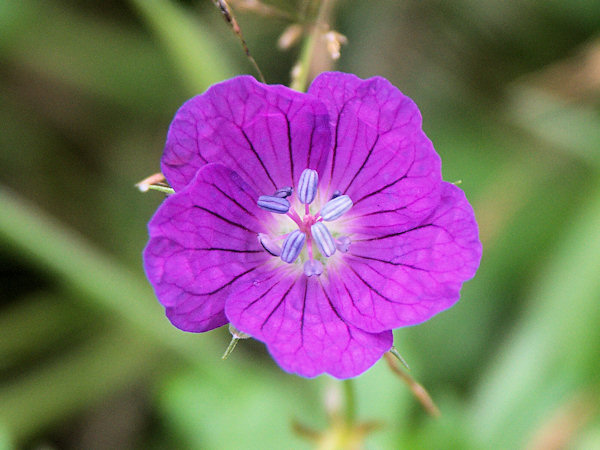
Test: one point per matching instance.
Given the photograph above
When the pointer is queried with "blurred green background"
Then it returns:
(510, 95)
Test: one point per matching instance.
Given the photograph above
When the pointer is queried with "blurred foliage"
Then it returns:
(510, 95)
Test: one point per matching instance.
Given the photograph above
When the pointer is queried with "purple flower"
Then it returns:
(315, 222)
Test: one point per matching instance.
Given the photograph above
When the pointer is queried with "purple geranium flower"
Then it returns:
(315, 222)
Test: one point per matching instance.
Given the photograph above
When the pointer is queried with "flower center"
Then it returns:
(310, 228)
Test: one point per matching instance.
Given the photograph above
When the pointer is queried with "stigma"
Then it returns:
(309, 228)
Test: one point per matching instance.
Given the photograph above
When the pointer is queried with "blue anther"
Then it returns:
(313, 267)
(283, 192)
(307, 186)
(292, 246)
(273, 204)
(336, 194)
(323, 238)
(335, 208)
(269, 245)
(343, 244)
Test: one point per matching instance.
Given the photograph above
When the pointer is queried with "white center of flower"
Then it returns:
(310, 228)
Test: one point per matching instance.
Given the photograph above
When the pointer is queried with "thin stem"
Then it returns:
(394, 351)
(230, 347)
(418, 391)
(301, 70)
(232, 22)
(350, 401)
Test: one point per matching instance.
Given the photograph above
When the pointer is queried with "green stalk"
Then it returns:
(349, 401)
(301, 70)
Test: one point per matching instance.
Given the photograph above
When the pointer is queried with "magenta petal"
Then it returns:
(202, 239)
(407, 276)
(380, 156)
(299, 323)
(267, 134)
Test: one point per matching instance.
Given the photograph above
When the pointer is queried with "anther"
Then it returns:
(292, 246)
(283, 192)
(307, 186)
(323, 239)
(343, 244)
(335, 208)
(269, 245)
(313, 267)
(273, 204)
(336, 194)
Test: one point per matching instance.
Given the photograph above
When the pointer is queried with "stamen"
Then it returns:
(335, 208)
(336, 194)
(295, 217)
(283, 192)
(269, 245)
(307, 186)
(292, 246)
(313, 267)
(273, 204)
(343, 243)
(323, 239)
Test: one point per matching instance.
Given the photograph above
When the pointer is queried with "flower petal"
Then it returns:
(267, 134)
(298, 321)
(405, 277)
(202, 239)
(380, 156)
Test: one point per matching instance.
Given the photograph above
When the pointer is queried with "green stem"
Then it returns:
(301, 70)
(302, 67)
(394, 351)
(349, 401)
(230, 347)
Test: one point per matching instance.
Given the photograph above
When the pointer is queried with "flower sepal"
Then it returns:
(236, 335)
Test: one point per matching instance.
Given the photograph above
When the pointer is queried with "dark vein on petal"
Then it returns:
(231, 281)
(351, 297)
(335, 144)
(371, 287)
(218, 216)
(233, 200)
(383, 211)
(289, 135)
(302, 314)
(256, 155)
(261, 295)
(386, 236)
(337, 314)
(389, 262)
(277, 307)
(219, 249)
(381, 189)
(331, 304)
(310, 144)
(363, 164)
